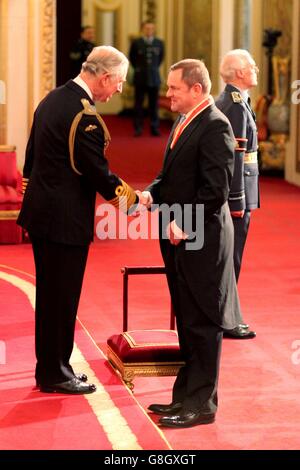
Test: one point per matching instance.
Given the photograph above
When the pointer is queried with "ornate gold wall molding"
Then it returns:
(47, 41)
(149, 10)
(3, 68)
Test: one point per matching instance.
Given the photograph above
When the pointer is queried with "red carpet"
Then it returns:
(259, 379)
(32, 420)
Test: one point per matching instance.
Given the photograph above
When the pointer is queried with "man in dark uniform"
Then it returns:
(64, 167)
(239, 72)
(82, 49)
(146, 54)
(197, 170)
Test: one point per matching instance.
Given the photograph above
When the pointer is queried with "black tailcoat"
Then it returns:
(198, 170)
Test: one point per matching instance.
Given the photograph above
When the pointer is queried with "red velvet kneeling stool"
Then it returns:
(143, 352)
(10, 196)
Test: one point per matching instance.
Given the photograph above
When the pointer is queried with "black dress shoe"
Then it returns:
(155, 133)
(186, 419)
(73, 387)
(80, 376)
(137, 133)
(240, 332)
(167, 410)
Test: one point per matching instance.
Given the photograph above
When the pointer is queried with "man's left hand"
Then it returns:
(175, 234)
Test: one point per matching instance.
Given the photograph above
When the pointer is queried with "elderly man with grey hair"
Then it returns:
(239, 72)
(65, 166)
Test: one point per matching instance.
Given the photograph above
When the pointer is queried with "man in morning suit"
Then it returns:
(146, 54)
(239, 72)
(64, 167)
(197, 170)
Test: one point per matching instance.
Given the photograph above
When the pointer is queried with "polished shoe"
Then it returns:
(73, 387)
(155, 133)
(186, 419)
(80, 376)
(240, 332)
(167, 410)
(137, 133)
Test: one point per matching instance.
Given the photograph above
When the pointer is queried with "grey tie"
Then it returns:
(182, 118)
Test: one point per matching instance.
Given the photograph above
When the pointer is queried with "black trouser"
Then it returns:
(59, 275)
(200, 342)
(152, 93)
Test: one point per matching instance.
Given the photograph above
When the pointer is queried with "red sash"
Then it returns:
(180, 128)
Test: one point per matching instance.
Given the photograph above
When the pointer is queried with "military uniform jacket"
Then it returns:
(146, 59)
(59, 201)
(244, 191)
(198, 170)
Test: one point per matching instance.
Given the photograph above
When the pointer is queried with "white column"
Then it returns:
(108, 28)
(17, 83)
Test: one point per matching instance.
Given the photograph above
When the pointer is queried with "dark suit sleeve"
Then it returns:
(216, 161)
(91, 162)
(154, 188)
(237, 116)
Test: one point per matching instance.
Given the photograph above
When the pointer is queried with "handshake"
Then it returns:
(145, 201)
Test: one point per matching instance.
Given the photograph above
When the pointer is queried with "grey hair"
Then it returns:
(234, 60)
(194, 71)
(105, 59)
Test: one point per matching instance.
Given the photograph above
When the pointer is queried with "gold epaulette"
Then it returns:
(236, 97)
(88, 110)
(24, 184)
(125, 197)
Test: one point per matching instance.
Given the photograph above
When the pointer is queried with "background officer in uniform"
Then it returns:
(64, 167)
(146, 54)
(82, 49)
(239, 72)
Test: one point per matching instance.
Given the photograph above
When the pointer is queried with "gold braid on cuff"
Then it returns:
(88, 110)
(125, 197)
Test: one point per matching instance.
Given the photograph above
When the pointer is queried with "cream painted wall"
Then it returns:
(17, 83)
